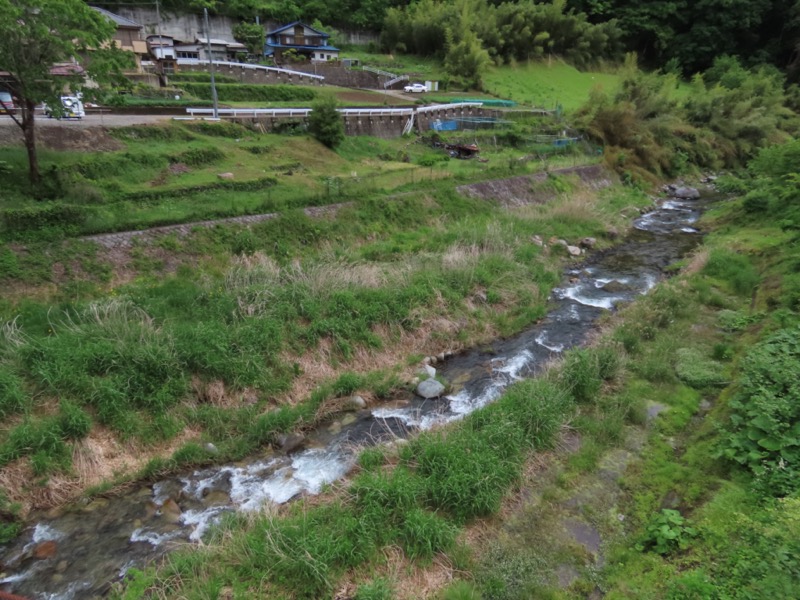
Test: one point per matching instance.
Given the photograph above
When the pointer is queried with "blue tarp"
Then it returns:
(444, 125)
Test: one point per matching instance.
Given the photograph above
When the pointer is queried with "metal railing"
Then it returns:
(397, 79)
(299, 112)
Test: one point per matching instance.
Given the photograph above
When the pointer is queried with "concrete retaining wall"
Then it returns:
(245, 75)
(382, 126)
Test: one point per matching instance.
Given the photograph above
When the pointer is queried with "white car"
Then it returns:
(415, 88)
(72, 108)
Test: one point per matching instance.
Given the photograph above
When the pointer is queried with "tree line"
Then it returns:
(683, 36)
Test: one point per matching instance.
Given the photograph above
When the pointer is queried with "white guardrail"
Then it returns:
(299, 112)
(223, 63)
(349, 112)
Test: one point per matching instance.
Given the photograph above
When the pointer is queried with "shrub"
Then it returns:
(735, 269)
(764, 425)
(45, 215)
(666, 532)
(325, 123)
(697, 371)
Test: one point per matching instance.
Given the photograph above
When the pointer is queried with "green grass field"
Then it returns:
(546, 84)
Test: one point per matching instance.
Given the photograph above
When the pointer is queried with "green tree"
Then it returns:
(251, 35)
(35, 35)
(325, 123)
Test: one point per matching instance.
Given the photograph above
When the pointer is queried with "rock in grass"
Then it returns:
(290, 441)
(356, 403)
(225, 176)
(431, 371)
(574, 250)
(430, 388)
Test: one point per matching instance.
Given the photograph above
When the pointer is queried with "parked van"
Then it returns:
(7, 105)
(72, 108)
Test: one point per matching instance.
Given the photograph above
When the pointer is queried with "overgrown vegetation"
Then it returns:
(729, 114)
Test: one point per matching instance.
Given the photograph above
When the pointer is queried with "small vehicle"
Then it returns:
(415, 88)
(7, 105)
(71, 108)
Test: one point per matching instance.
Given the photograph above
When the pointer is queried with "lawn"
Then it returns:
(546, 84)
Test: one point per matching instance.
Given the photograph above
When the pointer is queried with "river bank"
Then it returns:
(579, 301)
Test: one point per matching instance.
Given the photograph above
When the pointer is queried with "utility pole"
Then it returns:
(211, 65)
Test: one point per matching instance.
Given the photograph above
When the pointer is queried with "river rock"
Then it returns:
(685, 193)
(44, 550)
(612, 233)
(430, 388)
(615, 287)
(562, 243)
(430, 371)
(170, 511)
(588, 242)
(216, 497)
(227, 176)
(574, 250)
(356, 403)
(537, 239)
(290, 441)
(62, 566)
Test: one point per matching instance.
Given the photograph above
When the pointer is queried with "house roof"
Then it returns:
(120, 21)
(295, 47)
(218, 42)
(290, 25)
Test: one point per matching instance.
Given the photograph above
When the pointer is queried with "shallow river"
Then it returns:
(80, 553)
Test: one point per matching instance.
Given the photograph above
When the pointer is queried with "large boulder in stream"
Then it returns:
(615, 287)
(685, 193)
(430, 388)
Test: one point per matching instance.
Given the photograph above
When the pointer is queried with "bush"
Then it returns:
(325, 123)
(764, 425)
(697, 371)
(666, 532)
(47, 215)
(735, 269)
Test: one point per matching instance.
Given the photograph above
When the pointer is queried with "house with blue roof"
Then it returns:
(303, 40)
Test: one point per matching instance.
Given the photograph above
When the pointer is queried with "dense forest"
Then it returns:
(681, 35)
